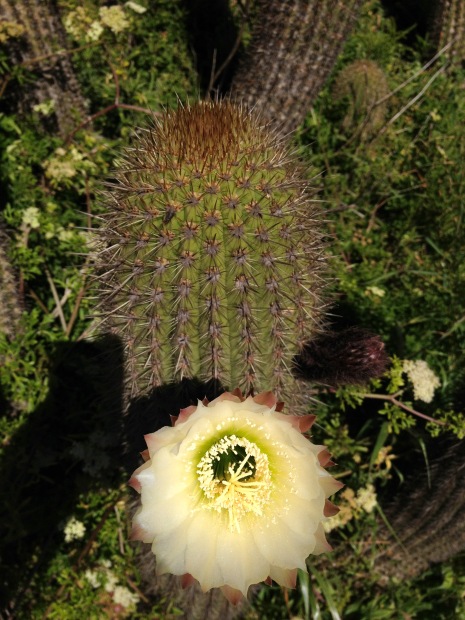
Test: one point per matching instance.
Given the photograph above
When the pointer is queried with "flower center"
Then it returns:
(234, 476)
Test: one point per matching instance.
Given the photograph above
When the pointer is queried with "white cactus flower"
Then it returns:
(234, 494)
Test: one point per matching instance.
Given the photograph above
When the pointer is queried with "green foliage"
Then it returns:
(395, 213)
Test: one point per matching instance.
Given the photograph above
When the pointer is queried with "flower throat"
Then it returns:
(233, 458)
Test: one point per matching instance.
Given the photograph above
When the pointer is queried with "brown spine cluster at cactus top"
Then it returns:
(211, 256)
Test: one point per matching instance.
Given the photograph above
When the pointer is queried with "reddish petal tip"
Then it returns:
(238, 392)
(136, 533)
(187, 580)
(145, 455)
(306, 422)
(292, 578)
(330, 509)
(234, 596)
(135, 484)
(265, 398)
(324, 457)
(184, 414)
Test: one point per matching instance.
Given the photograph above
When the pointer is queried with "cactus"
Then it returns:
(294, 46)
(40, 48)
(212, 257)
(447, 26)
(426, 516)
(351, 356)
(10, 304)
(363, 83)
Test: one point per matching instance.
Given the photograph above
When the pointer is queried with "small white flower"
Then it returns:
(30, 217)
(111, 581)
(123, 596)
(93, 578)
(366, 498)
(234, 494)
(94, 31)
(74, 530)
(45, 108)
(375, 290)
(423, 379)
(114, 18)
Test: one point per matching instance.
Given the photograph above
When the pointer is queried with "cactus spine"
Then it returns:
(212, 252)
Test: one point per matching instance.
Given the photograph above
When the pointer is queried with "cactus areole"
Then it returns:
(212, 252)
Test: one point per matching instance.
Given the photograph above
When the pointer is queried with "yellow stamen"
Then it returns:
(236, 496)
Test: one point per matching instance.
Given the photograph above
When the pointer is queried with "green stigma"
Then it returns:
(233, 458)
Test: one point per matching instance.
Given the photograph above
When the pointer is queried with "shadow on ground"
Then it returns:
(64, 448)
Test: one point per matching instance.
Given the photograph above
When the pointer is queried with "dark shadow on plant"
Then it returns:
(148, 414)
(70, 444)
(212, 36)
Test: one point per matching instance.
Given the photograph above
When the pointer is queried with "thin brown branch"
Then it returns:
(39, 302)
(414, 99)
(75, 311)
(415, 75)
(57, 301)
(392, 399)
(62, 52)
(234, 49)
(113, 106)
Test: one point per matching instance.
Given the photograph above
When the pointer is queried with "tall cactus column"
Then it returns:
(447, 26)
(294, 46)
(212, 258)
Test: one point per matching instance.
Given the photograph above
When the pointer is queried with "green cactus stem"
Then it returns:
(363, 83)
(212, 252)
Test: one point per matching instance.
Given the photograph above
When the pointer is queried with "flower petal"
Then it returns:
(185, 414)
(322, 545)
(233, 596)
(266, 398)
(187, 580)
(234, 552)
(284, 577)
(330, 509)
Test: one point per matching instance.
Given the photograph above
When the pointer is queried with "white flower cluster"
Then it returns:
(45, 108)
(30, 217)
(66, 164)
(375, 290)
(120, 594)
(114, 18)
(423, 379)
(74, 530)
(124, 597)
(82, 26)
(353, 506)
